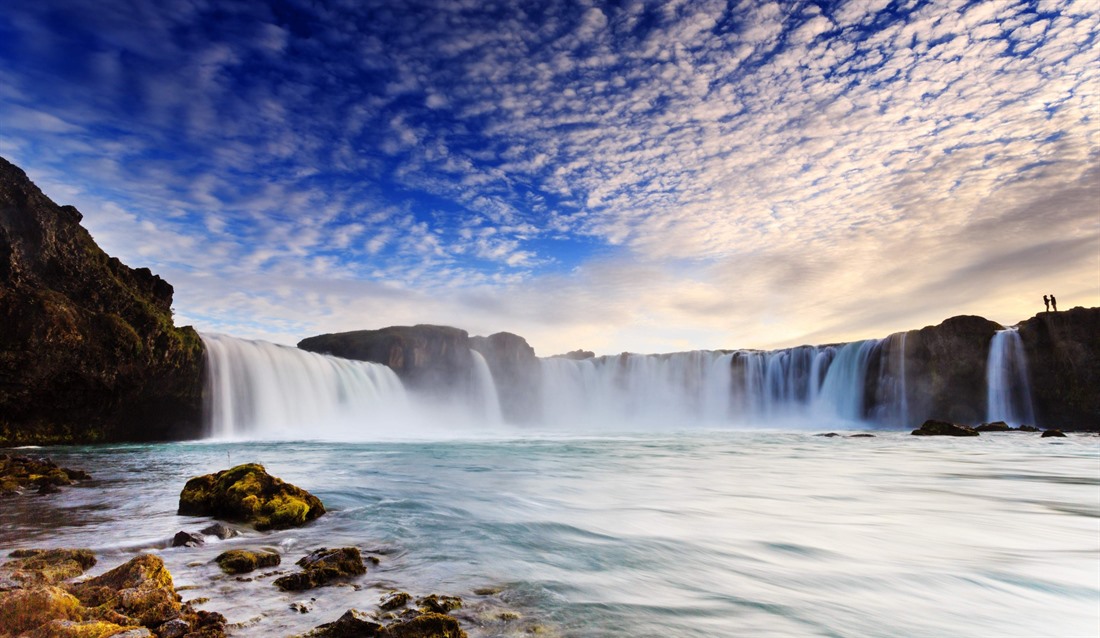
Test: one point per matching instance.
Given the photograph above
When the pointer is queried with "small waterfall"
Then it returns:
(486, 389)
(891, 399)
(257, 389)
(1008, 393)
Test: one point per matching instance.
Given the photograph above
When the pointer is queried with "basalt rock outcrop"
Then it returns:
(1063, 354)
(88, 349)
(424, 356)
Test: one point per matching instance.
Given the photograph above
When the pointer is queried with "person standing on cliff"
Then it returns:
(1054, 303)
(1046, 300)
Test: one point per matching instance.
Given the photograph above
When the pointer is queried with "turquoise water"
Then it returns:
(715, 533)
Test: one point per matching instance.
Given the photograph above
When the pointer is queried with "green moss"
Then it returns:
(26, 609)
(86, 629)
(239, 561)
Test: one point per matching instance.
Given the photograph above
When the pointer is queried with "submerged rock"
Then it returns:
(933, 427)
(1053, 433)
(240, 561)
(1027, 428)
(862, 435)
(248, 494)
(322, 567)
(827, 435)
(219, 530)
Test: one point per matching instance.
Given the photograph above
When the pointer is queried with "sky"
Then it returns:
(621, 176)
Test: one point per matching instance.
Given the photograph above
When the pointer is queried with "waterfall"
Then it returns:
(485, 390)
(1008, 395)
(262, 390)
(256, 389)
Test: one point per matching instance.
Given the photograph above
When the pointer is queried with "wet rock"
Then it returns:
(488, 591)
(439, 604)
(241, 561)
(174, 628)
(1027, 428)
(303, 606)
(322, 567)
(45, 566)
(1053, 433)
(862, 435)
(429, 625)
(248, 494)
(187, 539)
(933, 427)
(353, 624)
(996, 426)
(394, 601)
(828, 434)
(87, 629)
(219, 530)
(18, 473)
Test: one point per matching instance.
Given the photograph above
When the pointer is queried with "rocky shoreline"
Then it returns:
(43, 594)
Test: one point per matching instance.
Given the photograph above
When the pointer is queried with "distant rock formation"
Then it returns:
(516, 373)
(88, 349)
(422, 355)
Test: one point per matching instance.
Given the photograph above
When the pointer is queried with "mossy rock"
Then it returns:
(86, 629)
(22, 610)
(439, 604)
(322, 567)
(240, 561)
(46, 566)
(430, 625)
(248, 494)
(140, 589)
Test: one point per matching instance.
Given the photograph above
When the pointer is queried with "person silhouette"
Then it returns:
(1046, 300)
(1054, 303)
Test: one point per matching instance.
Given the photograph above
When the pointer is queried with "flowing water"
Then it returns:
(667, 496)
(682, 533)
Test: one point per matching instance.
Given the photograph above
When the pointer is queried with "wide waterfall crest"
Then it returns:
(1008, 389)
(256, 389)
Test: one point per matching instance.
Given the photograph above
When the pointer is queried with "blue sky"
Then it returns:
(610, 176)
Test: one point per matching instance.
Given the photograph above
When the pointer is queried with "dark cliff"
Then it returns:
(1063, 353)
(88, 349)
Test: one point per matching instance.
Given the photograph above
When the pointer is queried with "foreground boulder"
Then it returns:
(248, 494)
(933, 427)
(135, 599)
(322, 567)
(88, 348)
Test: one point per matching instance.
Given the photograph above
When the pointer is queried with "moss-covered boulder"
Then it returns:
(439, 604)
(933, 427)
(87, 629)
(241, 561)
(248, 494)
(140, 589)
(26, 609)
(44, 566)
(323, 567)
